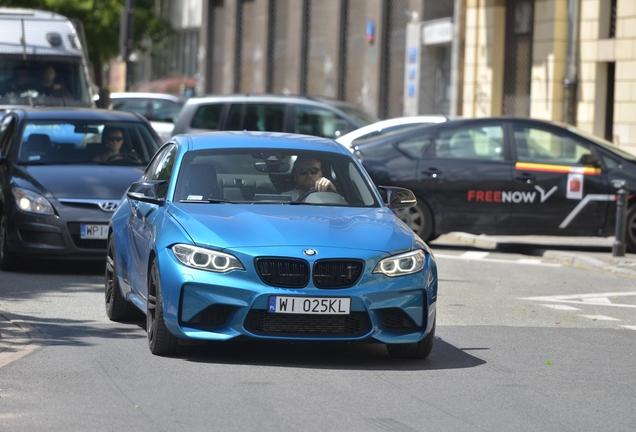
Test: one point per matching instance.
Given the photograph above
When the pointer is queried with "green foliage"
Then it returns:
(101, 19)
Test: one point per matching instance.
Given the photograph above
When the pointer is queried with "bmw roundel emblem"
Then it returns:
(310, 252)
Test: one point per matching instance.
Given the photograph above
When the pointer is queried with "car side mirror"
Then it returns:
(146, 191)
(590, 160)
(397, 197)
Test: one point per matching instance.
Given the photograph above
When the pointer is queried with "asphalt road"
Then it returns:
(523, 344)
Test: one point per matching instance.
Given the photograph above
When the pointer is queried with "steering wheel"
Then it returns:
(124, 156)
(304, 196)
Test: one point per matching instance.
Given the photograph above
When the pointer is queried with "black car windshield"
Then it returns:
(86, 142)
(603, 143)
(271, 176)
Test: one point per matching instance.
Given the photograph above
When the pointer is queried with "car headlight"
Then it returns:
(206, 259)
(401, 265)
(32, 202)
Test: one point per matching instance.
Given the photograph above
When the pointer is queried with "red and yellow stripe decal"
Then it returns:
(525, 166)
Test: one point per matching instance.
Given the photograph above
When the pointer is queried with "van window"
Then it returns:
(256, 117)
(207, 117)
(320, 122)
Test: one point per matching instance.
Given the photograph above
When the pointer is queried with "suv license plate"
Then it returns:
(310, 305)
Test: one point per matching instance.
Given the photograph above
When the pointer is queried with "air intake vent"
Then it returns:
(340, 273)
(283, 272)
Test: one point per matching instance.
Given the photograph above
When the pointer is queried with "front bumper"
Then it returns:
(56, 236)
(210, 306)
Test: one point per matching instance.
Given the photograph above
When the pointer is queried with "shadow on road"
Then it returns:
(328, 355)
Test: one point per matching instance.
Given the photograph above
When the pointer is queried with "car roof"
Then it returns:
(246, 139)
(78, 114)
(143, 95)
(266, 97)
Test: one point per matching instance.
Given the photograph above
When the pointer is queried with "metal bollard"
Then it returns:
(619, 246)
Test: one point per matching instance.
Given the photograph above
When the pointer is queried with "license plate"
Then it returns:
(93, 232)
(310, 305)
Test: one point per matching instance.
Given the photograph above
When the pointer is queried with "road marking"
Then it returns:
(599, 318)
(473, 255)
(478, 256)
(561, 307)
(599, 299)
(629, 327)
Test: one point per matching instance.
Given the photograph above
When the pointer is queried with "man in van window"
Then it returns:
(51, 84)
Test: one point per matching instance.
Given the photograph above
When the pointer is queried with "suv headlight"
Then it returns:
(206, 259)
(401, 265)
(32, 202)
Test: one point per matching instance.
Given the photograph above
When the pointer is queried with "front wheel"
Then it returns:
(419, 218)
(418, 350)
(160, 340)
(8, 261)
(630, 229)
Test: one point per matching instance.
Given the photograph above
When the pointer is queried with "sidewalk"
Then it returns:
(588, 252)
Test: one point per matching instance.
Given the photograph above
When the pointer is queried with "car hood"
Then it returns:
(237, 225)
(85, 181)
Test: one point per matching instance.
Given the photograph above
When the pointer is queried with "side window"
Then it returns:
(6, 131)
(544, 146)
(319, 122)
(256, 117)
(477, 142)
(161, 168)
(414, 146)
(207, 117)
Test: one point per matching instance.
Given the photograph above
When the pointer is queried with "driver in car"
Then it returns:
(113, 139)
(307, 174)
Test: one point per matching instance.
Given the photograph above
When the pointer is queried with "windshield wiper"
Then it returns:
(209, 201)
(32, 163)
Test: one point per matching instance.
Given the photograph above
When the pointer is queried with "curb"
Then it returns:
(17, 338)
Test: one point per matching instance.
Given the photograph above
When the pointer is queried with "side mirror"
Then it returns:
(397, 197)
(590, 160)
(146, 191)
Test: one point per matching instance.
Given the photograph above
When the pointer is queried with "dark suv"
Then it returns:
(307, 115)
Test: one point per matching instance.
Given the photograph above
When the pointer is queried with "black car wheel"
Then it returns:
(117, 307)
(8, 261)
(630, 229)
(419, 350)
(160, 340)
(419, 218)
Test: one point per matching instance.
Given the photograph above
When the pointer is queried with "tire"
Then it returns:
(160, 340)
(8, 261)
(630, 229)
(419, 350)
(419, 218)
(117, 307)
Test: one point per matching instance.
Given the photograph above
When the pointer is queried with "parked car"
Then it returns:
(385, 126)
(210, 245)
(55, 198)
(160, 109)
(307, 115)
(505, 176)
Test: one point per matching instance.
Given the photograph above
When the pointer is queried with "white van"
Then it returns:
(42, 61)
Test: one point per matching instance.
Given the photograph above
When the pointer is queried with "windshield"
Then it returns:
(54, 82)
(272, 176)
(82, 142)
(603, 143)
(361, 116)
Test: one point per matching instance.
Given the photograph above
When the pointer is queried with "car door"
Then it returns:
(464, 174)
(558, 187)
(141, 232)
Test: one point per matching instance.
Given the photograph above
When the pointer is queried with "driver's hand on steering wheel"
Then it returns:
(323, 184)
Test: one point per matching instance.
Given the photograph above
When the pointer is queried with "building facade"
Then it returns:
(562, 60)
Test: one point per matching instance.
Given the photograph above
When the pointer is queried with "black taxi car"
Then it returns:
(505, 176)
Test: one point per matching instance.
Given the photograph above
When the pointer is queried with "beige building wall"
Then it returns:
(549, 59)
(483, 58)
(625, 80)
